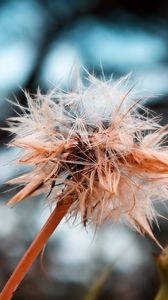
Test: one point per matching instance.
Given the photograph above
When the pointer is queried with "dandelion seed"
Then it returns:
(92, 149)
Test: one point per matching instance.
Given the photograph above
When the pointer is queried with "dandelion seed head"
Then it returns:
(93, 146)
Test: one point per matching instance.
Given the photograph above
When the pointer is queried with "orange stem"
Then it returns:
(33, 251)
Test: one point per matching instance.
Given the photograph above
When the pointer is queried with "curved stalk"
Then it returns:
(33, 251)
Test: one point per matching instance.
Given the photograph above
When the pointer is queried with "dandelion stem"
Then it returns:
(33, 251)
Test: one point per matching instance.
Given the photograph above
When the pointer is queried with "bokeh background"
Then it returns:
(40, 41)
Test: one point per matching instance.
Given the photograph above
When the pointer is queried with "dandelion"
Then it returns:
(91, 152)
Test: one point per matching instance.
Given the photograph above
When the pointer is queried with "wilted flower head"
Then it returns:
(94, 148)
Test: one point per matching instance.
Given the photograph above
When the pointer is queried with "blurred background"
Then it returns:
(40, 40)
